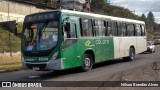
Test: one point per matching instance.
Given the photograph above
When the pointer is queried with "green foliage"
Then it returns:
(150, 17)
(157, 43)
(19, 27)
(4, 39)
(143, 18)
(112, 10)
(150, 21)
(150, 35)
(153, 29)
(101, 6)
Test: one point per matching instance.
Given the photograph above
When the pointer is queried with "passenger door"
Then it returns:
(70, 43)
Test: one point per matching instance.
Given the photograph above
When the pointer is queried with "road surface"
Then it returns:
(76, 75)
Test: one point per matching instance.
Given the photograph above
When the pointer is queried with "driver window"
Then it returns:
(70, 30)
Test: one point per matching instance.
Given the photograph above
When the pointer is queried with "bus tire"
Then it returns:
(87, 62)
(152, 51)
(131, 56)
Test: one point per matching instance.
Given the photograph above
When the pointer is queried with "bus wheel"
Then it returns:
(131, 56)
(151, 51)
(87, 62)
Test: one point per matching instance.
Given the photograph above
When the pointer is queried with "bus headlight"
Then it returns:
(54, 57)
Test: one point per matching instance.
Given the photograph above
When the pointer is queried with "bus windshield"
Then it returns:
(40, 36)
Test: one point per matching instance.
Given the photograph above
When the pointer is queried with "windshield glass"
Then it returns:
(40, 36)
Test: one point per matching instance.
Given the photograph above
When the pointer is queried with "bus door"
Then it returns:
(70, 43)
(100, 41)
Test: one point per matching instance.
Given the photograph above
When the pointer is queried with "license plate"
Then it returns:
(35, 68)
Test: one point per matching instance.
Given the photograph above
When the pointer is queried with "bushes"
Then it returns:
(157, 43)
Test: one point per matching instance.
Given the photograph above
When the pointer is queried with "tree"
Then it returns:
(143, 18)
(150, 17)
(150, 21)
(107, 1)
(150, 24)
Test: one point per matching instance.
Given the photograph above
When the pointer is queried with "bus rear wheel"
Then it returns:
(87, 62)
(131, 56)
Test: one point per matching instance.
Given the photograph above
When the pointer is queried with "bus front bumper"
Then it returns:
(50, 65)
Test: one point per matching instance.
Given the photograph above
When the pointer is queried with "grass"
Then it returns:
(157, 43)
(8, 62)
(4, 41)
(10, 67)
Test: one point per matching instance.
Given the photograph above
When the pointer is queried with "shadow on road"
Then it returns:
(55, 74)
(146, 53)
(107, 63)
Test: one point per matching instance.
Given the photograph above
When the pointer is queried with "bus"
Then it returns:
(65, 39)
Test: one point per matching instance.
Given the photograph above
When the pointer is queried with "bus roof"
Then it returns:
(95, 15)
(103, 16)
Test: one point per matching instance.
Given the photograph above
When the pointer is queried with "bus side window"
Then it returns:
(112, 28)
(67, 30)
(138, 30)
(116, 29)
(130, 29)
(134, 31)
(96, 27)
(124, 29)
(70, 30)
(143, 30)
(99, 27)
(81, 29)
(109, 28)
(119, 25)
(106, 28)
(86, 27)
(73, 30)
(103, 27)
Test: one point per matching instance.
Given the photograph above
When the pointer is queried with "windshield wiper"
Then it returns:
(39, 33)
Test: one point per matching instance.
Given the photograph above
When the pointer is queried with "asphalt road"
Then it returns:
(76, 75)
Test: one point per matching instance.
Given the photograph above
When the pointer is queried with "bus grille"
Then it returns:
(41, 66)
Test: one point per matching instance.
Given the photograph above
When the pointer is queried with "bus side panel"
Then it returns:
(117, 52)
(122, 46)
(73, 56)
(70, 56)
(104, 49)
(141, 44)
(87, 44)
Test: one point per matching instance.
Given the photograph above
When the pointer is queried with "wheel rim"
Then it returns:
(87, 62)
(132, 54)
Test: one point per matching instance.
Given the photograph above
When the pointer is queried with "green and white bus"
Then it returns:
(64, 39)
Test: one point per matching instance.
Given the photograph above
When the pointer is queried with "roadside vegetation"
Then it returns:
(9, 61)
(19, 27)
(5, 42)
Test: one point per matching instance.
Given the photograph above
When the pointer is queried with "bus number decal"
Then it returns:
(43, 59)
(102, 41)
